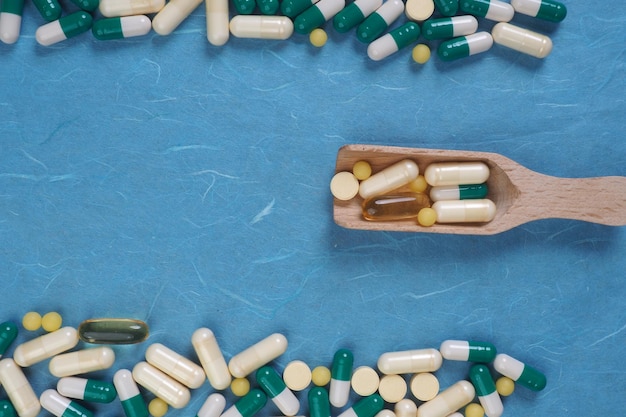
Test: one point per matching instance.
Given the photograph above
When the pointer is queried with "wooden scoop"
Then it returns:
(520, 195)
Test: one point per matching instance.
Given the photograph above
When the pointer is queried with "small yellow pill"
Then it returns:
(320, 376)
(240, 386)
(157, 407)
(31, 321)
(362, 170)
(419, 184)
(318, 37)
(426, 217)
(51, 321)
(421, 53)
(505, 386)
(474, 410)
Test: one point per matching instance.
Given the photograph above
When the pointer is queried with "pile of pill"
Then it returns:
(454, 23)
(458, 191)
(170, 376)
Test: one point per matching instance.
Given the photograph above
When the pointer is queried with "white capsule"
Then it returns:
(18, 389)
(175, 365)
(10, 25)
(217, 16)
(410, 361)
(522, 40)
(82, 361)
(135, 25)
(499, 11)
(213, 406)
(166, 388)
(211, 358)
(59, 406)
(261, 27)
(172, 15)
(257, 355)
(447, 402)
(115, 8)
(128, 392)
(390, 178)
(464, 211)
(405, 408)
(46, 346)
(455, 173)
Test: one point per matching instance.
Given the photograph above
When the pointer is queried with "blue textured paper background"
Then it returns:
(187, 185)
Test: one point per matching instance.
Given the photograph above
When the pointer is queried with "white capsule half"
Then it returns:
(217, 16)
(18, 389)
(448, 401)
(211, 358)
(213, 406)
(500, 11)
(175, 365)
(410, 361)
(391, 10)
(261, 27)
(115, 8)
(257, 355)
(10, 25)
(125, 385)
(455, 173)
(60, 406)
(46, 346)
(390, 178)
(163, 386)
(82, 361)
(465, 211)
(382, 47)
(522, 40)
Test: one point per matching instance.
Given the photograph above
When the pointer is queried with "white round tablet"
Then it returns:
(365, 381)
(344, 185)
(424, 386)
(392, 388)
(297, 375)
(419, 10)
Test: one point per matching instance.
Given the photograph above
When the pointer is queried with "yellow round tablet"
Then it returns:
(505, 386)
(405, 408)
(157, 407)
(240, 386)
(362, 170)
(392, 388)
(318, 37)
(320, 376)
(419, 184)
(474, 410)
(426, 217)
(424, 386)
(344, 186)
(31, 321)
(364, 381)
(297, 375)
(51, 321)
(421, 54)
(419, 10)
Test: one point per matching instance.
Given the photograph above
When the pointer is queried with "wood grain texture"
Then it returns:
(520, 195)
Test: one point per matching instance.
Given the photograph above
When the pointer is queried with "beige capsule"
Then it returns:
(82, 361)
(46, 346)
(175, 365)
(18, 389)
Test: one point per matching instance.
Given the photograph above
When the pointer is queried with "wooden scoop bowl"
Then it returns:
(520, 195)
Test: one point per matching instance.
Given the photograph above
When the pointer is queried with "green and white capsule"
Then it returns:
(292, 8)
(519, 372)
(377, 23)
(248, 405)
(87, 389)
(7, 409)
(60, 406)
(66, 27)
(121, 27)
(8, 330)
(316, 15)
(87, 5)
(447, 8)
(50, 10)
(275, 388)
(489, 9)
(393, 41)
(213, 406)
(551, 10)
(465, 46)
(128, 391)
(319, 404)
(366, 407)
(354, 13)
(449, 27)
(486, 391)
(459, 192)
(340, 375)
(468, 351)
(10, 25)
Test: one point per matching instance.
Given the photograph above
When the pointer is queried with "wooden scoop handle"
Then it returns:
(598, 200)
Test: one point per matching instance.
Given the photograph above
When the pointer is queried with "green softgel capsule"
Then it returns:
(113, 331)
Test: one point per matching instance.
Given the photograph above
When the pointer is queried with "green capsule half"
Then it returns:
(50, 10)
(88, 5)
(113, 331)
(270, 381)
(292, 8)
(76, 23)
(7, 409)
(8, 329)
(377, 23)
(447, 7)
(268, 7)
(354, 13)
(14, 7)
(251, 403)
(244, 6)
(482, 380)
(368, 406)
(316, 15)
(319, 404)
